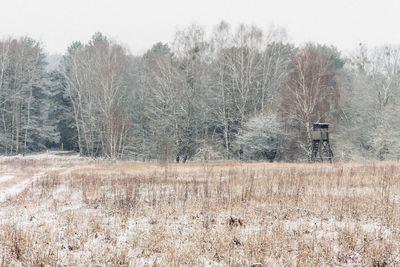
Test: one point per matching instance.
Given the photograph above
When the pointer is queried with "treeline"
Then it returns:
(233, 94)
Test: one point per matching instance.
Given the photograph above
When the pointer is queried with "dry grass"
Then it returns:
(91, 213)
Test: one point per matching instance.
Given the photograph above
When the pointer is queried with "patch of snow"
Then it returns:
(71, 207)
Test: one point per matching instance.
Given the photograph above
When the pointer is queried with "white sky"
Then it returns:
(139, 24)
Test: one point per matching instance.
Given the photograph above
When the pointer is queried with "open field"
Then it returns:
(72, 211)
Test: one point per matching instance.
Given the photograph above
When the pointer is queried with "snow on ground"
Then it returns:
(52, 155)
(83, 212)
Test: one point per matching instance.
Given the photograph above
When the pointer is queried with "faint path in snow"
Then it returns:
(12, 184)
(6, 178)
(14, 189)
(8, 190)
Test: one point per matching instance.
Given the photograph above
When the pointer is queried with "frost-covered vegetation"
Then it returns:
(81, 212)
(202, 96)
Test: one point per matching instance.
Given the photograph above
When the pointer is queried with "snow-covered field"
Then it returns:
(72, 211)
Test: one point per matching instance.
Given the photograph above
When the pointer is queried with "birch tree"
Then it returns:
(310, 94)
(96, 76)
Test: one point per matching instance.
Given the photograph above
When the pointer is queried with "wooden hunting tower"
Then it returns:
(321, 149)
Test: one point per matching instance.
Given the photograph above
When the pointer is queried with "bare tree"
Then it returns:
(220, 42)
(247, 72)
(160, 99)
(190, 48)
(96, 76)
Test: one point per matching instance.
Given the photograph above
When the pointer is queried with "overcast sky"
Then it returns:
(139, 24)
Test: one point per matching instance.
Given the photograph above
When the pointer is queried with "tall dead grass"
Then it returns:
(127, 214)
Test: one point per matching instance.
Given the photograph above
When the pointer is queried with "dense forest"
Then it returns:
(240, 93)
